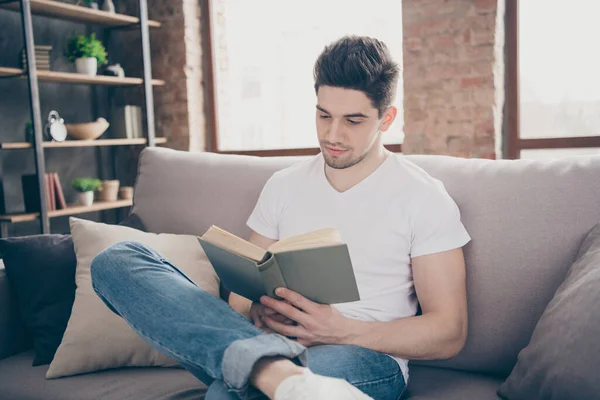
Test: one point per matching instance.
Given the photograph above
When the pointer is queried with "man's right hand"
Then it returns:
(257, 310)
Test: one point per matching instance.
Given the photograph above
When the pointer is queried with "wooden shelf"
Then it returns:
(69, 77)
(82, 143)
(70, 210)
(70, 12)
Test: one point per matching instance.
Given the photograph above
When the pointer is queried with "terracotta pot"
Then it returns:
(126, 192)
(109, 190)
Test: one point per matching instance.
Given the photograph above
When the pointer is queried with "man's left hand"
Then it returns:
(317, 323)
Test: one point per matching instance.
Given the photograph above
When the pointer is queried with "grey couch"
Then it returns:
(527, 220)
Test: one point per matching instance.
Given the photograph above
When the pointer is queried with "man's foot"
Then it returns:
(310, 386)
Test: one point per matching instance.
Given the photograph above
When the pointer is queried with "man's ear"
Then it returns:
(388, 117)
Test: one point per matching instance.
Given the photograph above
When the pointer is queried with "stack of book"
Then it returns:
(55, 198)
(42, 57)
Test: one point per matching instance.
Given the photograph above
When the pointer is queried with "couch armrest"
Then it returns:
(13, 337)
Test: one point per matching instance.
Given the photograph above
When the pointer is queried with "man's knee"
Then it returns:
(109, 262)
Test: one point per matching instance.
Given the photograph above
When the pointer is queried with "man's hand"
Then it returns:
(259, 311)
(316, 323)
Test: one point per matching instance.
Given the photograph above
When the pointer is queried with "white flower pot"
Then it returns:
(86, 66)
(86, 198)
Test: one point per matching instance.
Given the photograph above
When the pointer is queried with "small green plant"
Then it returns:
(86, 184)
(86, 46)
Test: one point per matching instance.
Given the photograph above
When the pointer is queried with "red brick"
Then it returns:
(478, 81)
(444, 41)
(413, 44)
(427, 28)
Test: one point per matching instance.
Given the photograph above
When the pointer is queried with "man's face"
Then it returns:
(347, 126)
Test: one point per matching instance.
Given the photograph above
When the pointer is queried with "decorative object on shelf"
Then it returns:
(114, 70)
(109, 190)
(85, 188)
(42, 57)
(126, 192)
(87, 52)
(55, 128)
(126, 122)
(108, 5)
(88, 130)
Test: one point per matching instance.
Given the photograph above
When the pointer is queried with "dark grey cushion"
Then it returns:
(19, 380)
(13, 335)
(41, 273)
(430, 383)
(563, 356)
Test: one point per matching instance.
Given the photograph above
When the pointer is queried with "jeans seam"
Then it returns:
(379, 380)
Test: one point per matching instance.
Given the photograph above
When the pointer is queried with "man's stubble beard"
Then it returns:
(335, 163)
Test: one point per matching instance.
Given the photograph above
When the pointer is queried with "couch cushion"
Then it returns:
(429, 383)
(96, 338)
(13, 335)
(527, 220)
(19, 380)
(561, 361)
(41, 270)
(195, 190)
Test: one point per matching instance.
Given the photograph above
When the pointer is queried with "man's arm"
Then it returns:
(237, 302)
(440, 332)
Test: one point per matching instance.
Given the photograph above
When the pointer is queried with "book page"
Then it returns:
(228, 241)
(320, 238)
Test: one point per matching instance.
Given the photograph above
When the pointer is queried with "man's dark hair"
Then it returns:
(359, 63)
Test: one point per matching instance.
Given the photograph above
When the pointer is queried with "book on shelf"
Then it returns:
(315, 264)
(55, 198)
(60, 196)
(126, 122)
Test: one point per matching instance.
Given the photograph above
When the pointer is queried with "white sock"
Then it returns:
(310, 386)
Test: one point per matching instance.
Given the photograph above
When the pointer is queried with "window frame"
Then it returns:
(212, 125)
(513, 142)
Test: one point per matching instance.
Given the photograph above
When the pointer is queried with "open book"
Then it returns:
(315, 264)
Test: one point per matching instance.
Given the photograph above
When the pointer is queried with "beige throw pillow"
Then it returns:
(95, 337)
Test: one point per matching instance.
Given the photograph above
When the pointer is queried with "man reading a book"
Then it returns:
(405, 239)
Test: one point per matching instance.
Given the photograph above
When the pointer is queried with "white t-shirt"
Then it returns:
(397, 212)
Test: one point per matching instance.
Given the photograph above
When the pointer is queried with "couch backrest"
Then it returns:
(527, 220)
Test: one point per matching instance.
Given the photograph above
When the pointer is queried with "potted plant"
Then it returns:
(87, 52)
(85, 188)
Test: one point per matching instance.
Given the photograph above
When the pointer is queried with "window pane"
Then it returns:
(264, 65)
(559, 82)
(544, 154)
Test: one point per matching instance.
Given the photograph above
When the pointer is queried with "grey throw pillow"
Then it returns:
(562, 360)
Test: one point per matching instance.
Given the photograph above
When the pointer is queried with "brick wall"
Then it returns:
(450, 68)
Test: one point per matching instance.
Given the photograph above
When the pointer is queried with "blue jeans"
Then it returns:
(210, 339)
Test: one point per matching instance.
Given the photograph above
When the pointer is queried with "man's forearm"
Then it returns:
(423, 337)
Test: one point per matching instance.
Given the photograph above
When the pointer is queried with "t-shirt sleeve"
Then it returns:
(437, 226)
(264, 219)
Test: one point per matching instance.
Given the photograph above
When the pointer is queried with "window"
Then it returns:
(263, 55)
(556, 104)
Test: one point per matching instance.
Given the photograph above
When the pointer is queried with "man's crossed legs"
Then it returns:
(220, 346)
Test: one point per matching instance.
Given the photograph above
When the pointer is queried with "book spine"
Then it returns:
(271, 276)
